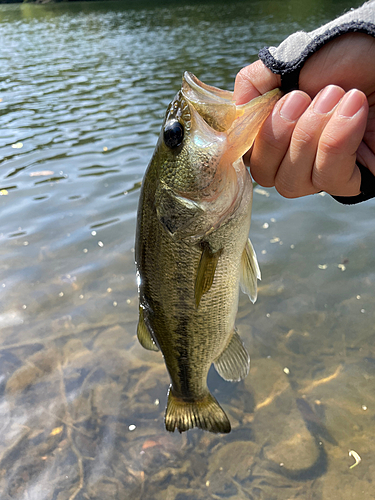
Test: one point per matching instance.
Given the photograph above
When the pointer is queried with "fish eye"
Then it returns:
(173, 134)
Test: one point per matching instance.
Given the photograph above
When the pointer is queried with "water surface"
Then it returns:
(83, 89)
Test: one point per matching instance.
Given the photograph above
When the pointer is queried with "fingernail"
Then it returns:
(351, 103)
(327, 99)
(293, 106)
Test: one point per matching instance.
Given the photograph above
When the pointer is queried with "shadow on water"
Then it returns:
(83, 91)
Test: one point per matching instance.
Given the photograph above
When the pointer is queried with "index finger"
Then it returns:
(253, 81)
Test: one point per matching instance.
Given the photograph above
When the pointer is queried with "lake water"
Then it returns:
(83, 89)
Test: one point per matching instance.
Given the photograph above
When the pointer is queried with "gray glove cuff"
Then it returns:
(288, 58)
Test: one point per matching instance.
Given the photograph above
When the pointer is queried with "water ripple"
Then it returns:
(83, 91)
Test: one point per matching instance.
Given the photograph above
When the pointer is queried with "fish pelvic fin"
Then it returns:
(250, 272)
(144, 335)
(234, 362)
(205, 414)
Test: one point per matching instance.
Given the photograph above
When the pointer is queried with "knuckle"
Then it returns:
(248, 73)
(302, 137)
(330, 145)
(333, 174)
(243, 74)
(263, 176)
(276, 145)
(324, 178)
(321, 183)
(286, 187)
(261, 179)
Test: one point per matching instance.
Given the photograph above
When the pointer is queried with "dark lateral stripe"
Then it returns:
(184, 371)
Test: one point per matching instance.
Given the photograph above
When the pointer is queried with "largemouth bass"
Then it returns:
(192, 250)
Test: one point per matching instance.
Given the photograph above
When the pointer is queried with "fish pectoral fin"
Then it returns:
(206, 271)
(250, 272)
(144, 335)
(175, 213)
(234, 362)
(204, 413)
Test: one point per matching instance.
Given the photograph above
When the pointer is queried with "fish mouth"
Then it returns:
(214, 105)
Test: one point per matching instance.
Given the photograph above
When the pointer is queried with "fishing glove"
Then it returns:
(289, 57)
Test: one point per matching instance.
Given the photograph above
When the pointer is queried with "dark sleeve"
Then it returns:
(289, 57)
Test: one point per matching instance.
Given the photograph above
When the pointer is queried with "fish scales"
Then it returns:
(192, 232)
(184, 324)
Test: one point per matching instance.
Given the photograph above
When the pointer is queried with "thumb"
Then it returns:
(254, 80)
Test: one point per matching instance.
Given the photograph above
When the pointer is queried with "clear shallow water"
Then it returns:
(84, 88)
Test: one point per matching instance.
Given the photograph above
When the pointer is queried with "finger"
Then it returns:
(335, 169)
(366, 156)
(254, 80)
(366, 150)
(294, 177)
(273, 139)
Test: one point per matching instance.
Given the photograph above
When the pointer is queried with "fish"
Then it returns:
(192, 251)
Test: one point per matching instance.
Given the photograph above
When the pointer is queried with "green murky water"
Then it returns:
(83, 89)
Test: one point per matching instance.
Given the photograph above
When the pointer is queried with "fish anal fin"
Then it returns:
(206, 272)
(144, 335)
(234, 362)
(205, 413)
(250, 272)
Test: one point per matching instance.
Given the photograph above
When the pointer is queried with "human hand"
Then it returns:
(306, 146)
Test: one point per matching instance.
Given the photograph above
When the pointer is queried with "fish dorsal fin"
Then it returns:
(206, 272)
(250, 272)
(144, 335)
(233, 364)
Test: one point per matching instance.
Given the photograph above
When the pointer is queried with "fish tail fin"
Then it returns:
(205, 413)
